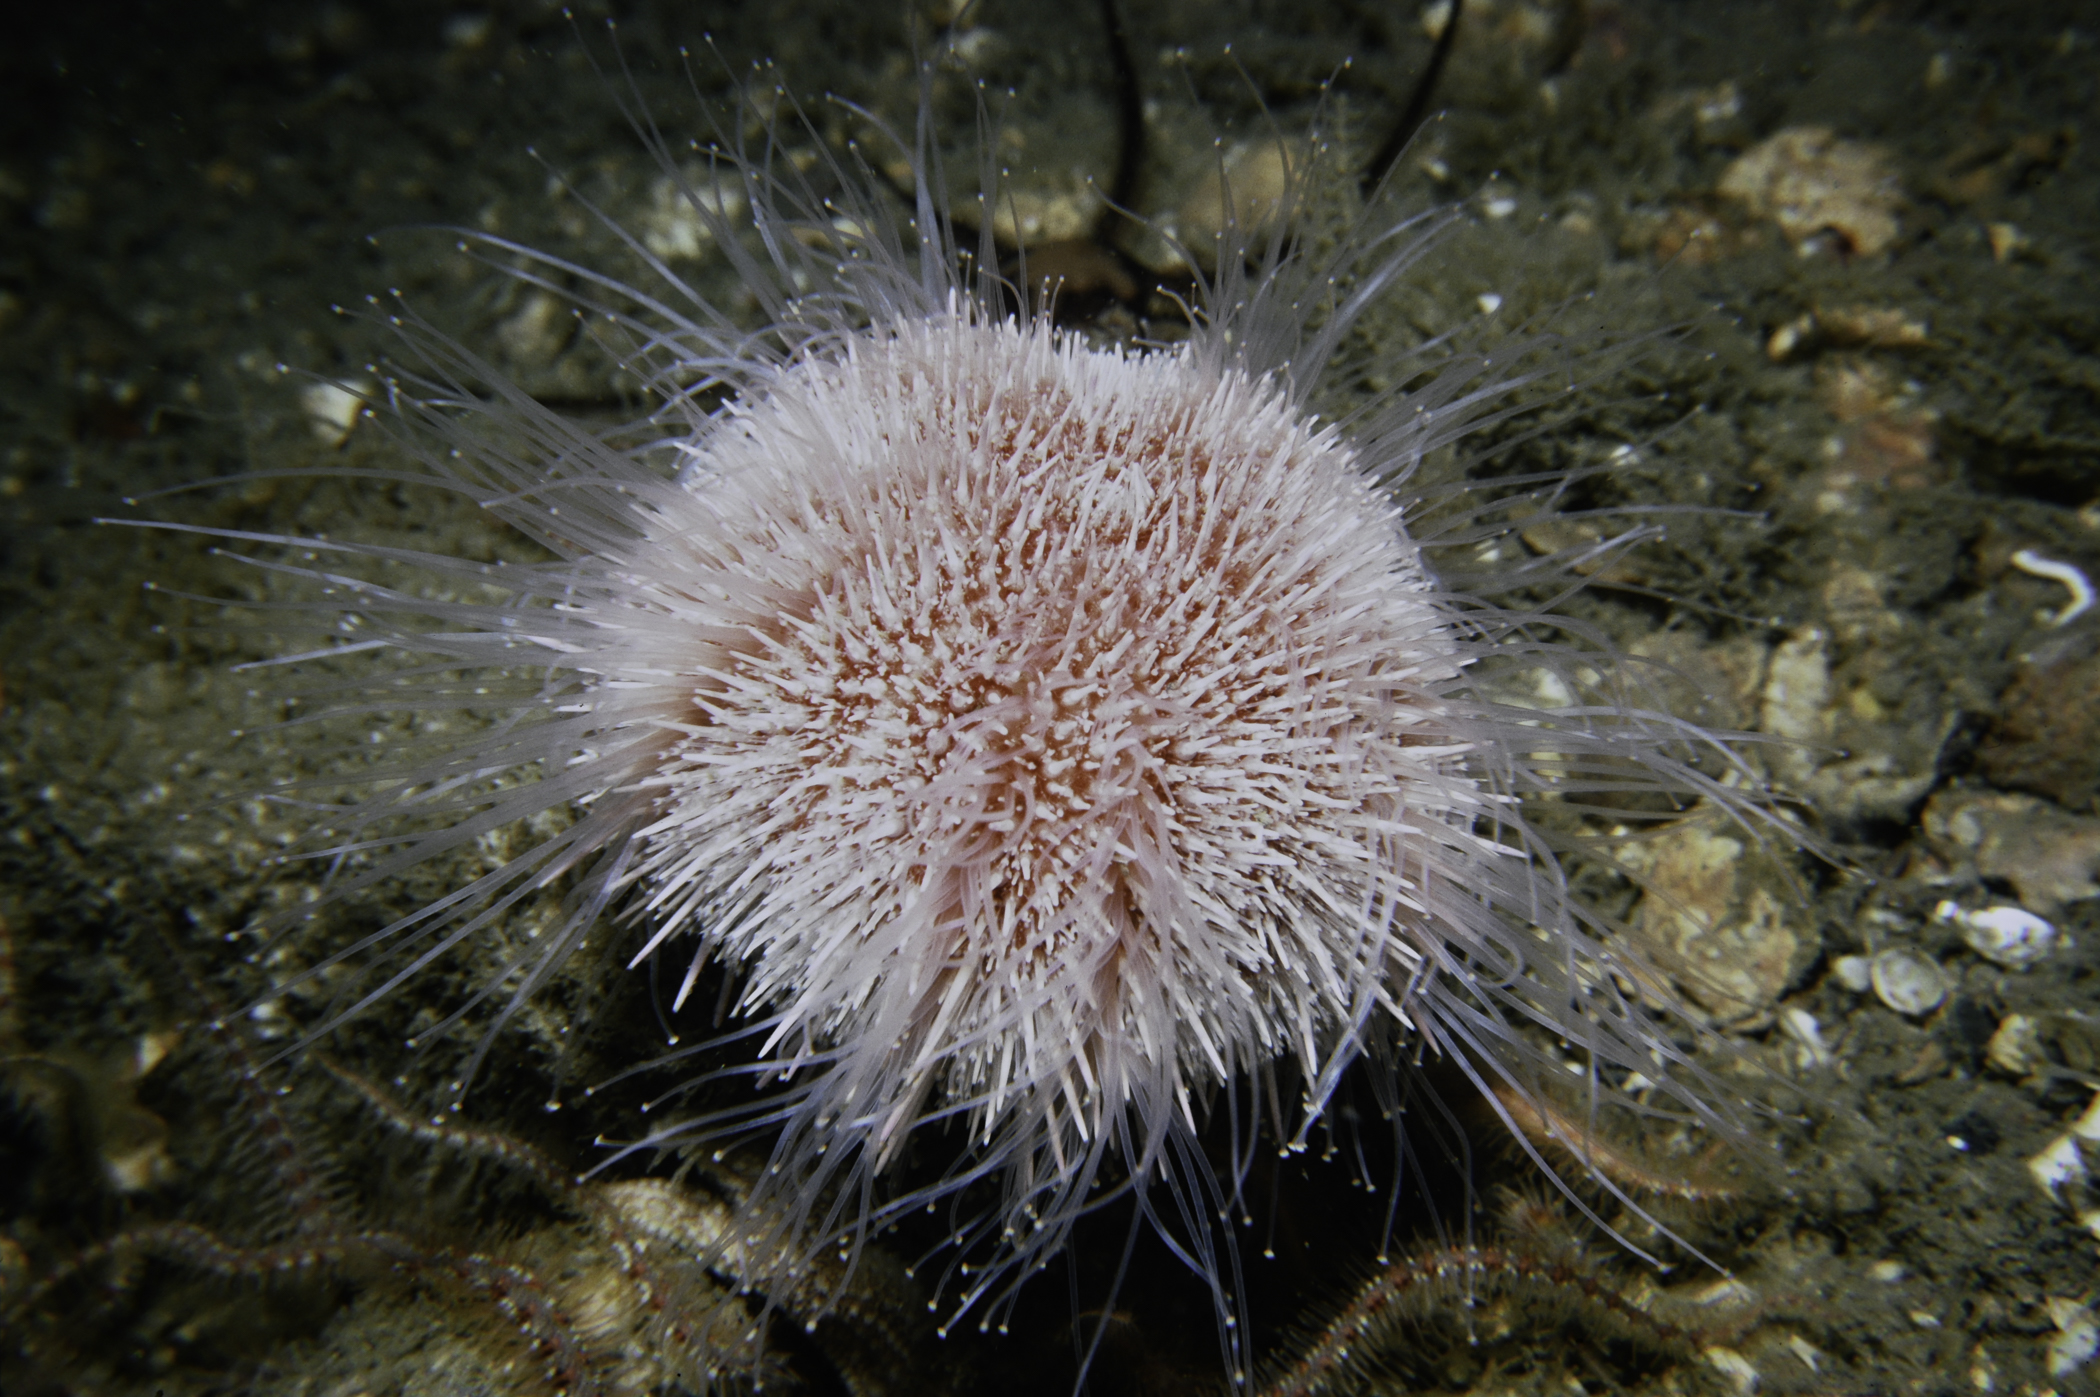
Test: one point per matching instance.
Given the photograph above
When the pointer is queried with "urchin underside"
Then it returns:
(1055, 728)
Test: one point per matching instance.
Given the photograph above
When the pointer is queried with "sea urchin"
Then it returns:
(1045, 735)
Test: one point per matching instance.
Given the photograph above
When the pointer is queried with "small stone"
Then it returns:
(1740, 1374)
(1717, 113)
(1993, 164)
(1075, 272)
(1876, 327)
(2087, 1126)
(1886, 434)
(2060, 1162)
(1806, 1034)
(1793, 335)
(1062, 213)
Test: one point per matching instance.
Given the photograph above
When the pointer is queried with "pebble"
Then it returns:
(1855, 973)
(1806, 1035)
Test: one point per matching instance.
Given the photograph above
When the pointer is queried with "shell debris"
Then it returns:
(2003, 935)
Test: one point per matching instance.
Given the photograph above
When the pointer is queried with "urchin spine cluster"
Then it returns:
(1048, 734)
(1072, 741)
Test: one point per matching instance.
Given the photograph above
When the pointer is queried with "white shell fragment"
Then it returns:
(2016, 1048)
(1908, 982)
(1740, 1374)
(1806, 1035)
(2062, 1160)
(2009, 936)
(2077, 1339)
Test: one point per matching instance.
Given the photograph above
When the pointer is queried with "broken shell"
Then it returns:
(2077, 1339)
(1908, 982)
(1737, 1371)
(1801, 1028)
(2009, 936)
(2016, 1048)
(2060, 1162)
(333, 409)
(2087, 1126)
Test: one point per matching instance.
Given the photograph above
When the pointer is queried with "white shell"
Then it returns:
(1740, 1374)
(2060, 1162)
(2009, 936)
(2016, 1047)
(1908, 982)
(2087, 1126)
(333, 409)
(2077, 1340)
(1807, 1035)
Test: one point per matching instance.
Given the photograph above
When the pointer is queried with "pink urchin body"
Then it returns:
(1064, 738)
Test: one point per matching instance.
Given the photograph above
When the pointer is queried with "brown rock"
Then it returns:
(2047, 735)
(2049, 856)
